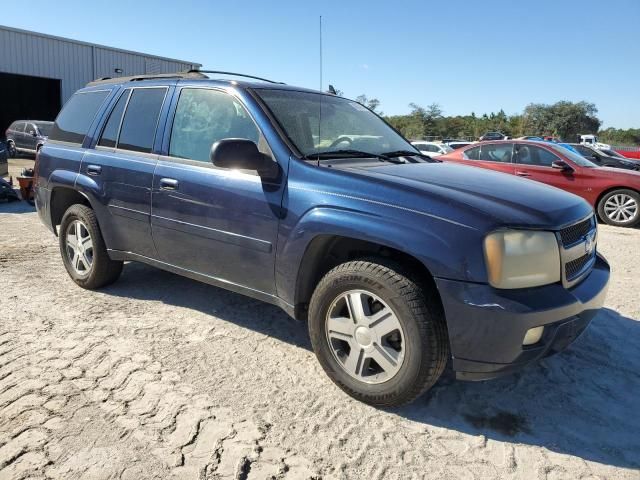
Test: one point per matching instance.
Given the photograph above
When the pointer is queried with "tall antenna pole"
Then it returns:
(320, 114)
(320, 52)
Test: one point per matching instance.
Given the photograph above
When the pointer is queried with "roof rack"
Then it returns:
(219, 72)
(137, 78)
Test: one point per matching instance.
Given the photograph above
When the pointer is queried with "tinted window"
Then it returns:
(141, 118)
(583, 150)
(110, 133)
(472, 153)
(500, 152)
(426, 147)
(536, 156)
(18, 126)
(30, 129)
(74, 120)
(204, 117)
(44, 128)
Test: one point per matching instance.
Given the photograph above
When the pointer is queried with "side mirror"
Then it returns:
(242, 154)
(562, 166)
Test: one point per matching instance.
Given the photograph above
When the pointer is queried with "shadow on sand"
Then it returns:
(583, 402)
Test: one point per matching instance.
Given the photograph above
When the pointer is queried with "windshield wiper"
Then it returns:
(349, 153)
(408, 153)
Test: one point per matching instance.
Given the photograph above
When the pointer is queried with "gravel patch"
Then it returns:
(159, 376)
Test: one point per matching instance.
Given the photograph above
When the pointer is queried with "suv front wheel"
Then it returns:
(83, 251)
(377, 333)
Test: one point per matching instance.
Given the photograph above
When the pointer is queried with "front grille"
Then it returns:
(574, 267)
(576, 233)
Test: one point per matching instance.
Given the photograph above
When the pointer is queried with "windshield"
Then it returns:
(574, 157)
(45, 128)
(336, 124)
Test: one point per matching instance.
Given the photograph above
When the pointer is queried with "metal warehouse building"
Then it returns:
(39, 72)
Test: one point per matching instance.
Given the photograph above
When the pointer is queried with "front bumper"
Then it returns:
(487, 326)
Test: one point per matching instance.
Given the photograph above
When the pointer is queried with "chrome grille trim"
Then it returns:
(575, 258)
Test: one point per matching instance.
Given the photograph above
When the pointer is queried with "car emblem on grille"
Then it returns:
(588, 244)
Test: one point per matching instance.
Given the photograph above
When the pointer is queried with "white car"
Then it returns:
(432, 149)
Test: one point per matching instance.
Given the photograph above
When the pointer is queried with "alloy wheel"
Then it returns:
(621, 208)
(365, 336)
(79, 247)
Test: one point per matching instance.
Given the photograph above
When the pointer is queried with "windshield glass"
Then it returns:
(45, 128)
(574, 157)
(336, 124)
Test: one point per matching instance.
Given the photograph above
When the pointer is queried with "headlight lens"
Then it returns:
(521, 258)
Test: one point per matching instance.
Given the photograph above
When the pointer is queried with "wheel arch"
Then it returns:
(62, 197)
(326, 251)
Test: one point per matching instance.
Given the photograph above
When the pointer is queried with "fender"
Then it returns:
(420, 238)
(85, 186)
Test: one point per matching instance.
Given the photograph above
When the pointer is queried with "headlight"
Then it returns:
(521, 258)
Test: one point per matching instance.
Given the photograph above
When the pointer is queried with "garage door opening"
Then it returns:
(24, 97)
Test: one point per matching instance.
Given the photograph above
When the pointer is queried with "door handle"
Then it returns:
(94, 170)
(523, 174)
(169, 184)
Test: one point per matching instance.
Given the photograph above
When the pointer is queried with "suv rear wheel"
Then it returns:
(83, 251)
(620, 208)
(376, 334)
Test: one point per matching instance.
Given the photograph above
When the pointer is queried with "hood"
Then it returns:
(629, 178)
(505, 199)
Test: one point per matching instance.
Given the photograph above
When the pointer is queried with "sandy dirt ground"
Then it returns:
(158, 376)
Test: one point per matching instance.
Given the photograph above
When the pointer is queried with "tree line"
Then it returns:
(564, 119)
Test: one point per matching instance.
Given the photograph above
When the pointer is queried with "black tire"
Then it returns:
(419, 312)
(626, 193)
(103, 270)
(11, 150)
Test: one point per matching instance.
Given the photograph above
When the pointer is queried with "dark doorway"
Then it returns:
(24, 97)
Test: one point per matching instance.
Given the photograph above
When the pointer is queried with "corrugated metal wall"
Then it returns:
(74, 63)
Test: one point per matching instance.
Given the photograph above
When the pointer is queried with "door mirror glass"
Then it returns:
(562, 166)
(241, 154)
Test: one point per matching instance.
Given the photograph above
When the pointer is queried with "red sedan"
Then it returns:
(613, 192)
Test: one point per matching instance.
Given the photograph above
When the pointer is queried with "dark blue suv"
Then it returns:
(400, 264)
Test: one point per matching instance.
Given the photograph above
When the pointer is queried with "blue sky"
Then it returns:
(467, 56)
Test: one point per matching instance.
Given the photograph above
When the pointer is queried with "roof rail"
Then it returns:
(219, 72)
(137, 78)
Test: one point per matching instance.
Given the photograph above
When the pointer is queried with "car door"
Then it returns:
(18, 135)
(492, 156)
(535, 162)
(214, 221)
(122, 164)
(30, 136)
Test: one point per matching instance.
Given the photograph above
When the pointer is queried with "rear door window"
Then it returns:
(472, 153)
(109, 137)
(500, 152)
(76, 117)
(141, 119)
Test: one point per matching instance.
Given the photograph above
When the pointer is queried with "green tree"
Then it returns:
(370, 103)
(564, 119)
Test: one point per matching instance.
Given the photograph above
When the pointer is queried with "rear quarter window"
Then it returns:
(76, 117)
